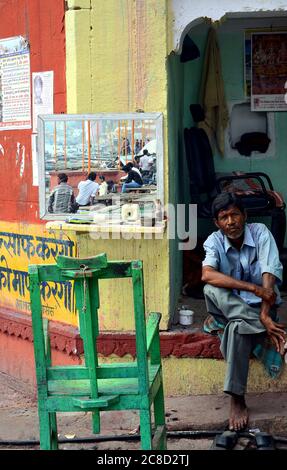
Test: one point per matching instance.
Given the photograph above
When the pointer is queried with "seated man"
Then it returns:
(242, 271)
(87, 190)
(133, 180)
(103, 189)
(62, 197)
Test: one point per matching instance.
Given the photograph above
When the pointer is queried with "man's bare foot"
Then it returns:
(238, 413)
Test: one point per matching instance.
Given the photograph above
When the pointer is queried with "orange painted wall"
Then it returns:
(42, 23)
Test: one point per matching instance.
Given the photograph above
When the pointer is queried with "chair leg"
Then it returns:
(145, 429)
(54, 431)
(96, 422)
(159, 416)
(45, 430)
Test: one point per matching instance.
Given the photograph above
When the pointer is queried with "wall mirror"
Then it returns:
(106, 144)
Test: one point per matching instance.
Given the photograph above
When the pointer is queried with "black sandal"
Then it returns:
(264, 441)
(225, 441)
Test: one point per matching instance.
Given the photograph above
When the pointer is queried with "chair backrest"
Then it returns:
(86, 274)
(199, 160)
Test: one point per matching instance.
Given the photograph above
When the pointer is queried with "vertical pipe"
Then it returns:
(111, 138)
(65, 144)
(143, 134)
(119, 143)
(126, 150)
(83, 145)
(98, 141)
(55, 143)
(89, 146)
(133, 140)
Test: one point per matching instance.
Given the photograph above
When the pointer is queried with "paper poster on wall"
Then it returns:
(15, 92)
(43, 92)
(269, 71)
(35, 159)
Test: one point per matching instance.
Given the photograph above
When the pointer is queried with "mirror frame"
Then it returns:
(42, 119)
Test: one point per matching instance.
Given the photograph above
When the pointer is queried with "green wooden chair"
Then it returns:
(97, 387)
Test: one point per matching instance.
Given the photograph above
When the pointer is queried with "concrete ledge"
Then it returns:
(66, 338)
(192, 363)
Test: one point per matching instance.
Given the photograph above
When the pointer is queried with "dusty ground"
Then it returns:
(19, 419)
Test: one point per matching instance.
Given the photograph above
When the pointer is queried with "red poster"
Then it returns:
(269, 71)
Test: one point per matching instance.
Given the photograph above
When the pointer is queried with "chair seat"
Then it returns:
(119, 386)
(104, 401)
(97, 386)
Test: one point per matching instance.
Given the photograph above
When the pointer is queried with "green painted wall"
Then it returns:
(186, 92)
(177, 165)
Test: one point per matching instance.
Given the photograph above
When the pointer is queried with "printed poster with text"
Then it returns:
(42, 92)
(15, 93)
(269, 71)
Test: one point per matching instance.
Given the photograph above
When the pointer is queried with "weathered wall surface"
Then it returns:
(22, 244)
(186, 13)
(116, 309)
(23, 239)
(115, 54)
(42, 24)
(116, 62)
(117, 51)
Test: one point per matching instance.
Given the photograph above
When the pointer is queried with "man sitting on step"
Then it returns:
(242, 272)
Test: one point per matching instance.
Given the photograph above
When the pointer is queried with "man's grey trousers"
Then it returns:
(243, 331)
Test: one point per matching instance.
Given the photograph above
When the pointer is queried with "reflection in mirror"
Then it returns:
(90, 163)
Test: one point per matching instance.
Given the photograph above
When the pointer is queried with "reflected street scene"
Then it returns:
(89, 161)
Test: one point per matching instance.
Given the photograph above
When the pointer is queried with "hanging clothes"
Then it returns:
(212, 94)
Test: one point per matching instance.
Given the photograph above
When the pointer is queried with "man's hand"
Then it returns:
(265, 293)
(275, 331)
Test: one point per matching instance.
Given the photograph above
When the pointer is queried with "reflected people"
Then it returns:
(146, 162)
(103, 189)
(125, 146)
(87, 190)
(133, 180)
(62, 197)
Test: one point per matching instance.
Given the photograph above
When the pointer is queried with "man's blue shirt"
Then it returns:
(258, 255)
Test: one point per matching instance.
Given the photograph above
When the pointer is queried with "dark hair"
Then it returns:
(223, 201)
(111, 185)
(126, 168)
(92, 176)
(145, 152)
(130, 164)
(63, 177)
(102, 178)
(38, 79)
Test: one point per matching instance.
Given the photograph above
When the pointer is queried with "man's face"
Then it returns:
(231, 221)
(38, 89)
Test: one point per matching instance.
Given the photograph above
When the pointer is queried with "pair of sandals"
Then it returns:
(228, 440)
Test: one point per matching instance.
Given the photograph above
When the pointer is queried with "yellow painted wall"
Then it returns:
(116, 63)
(116, 56)
(187, 376)
(116, 310)
(24, 244)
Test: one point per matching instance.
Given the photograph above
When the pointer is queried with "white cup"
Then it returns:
(186, 317)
